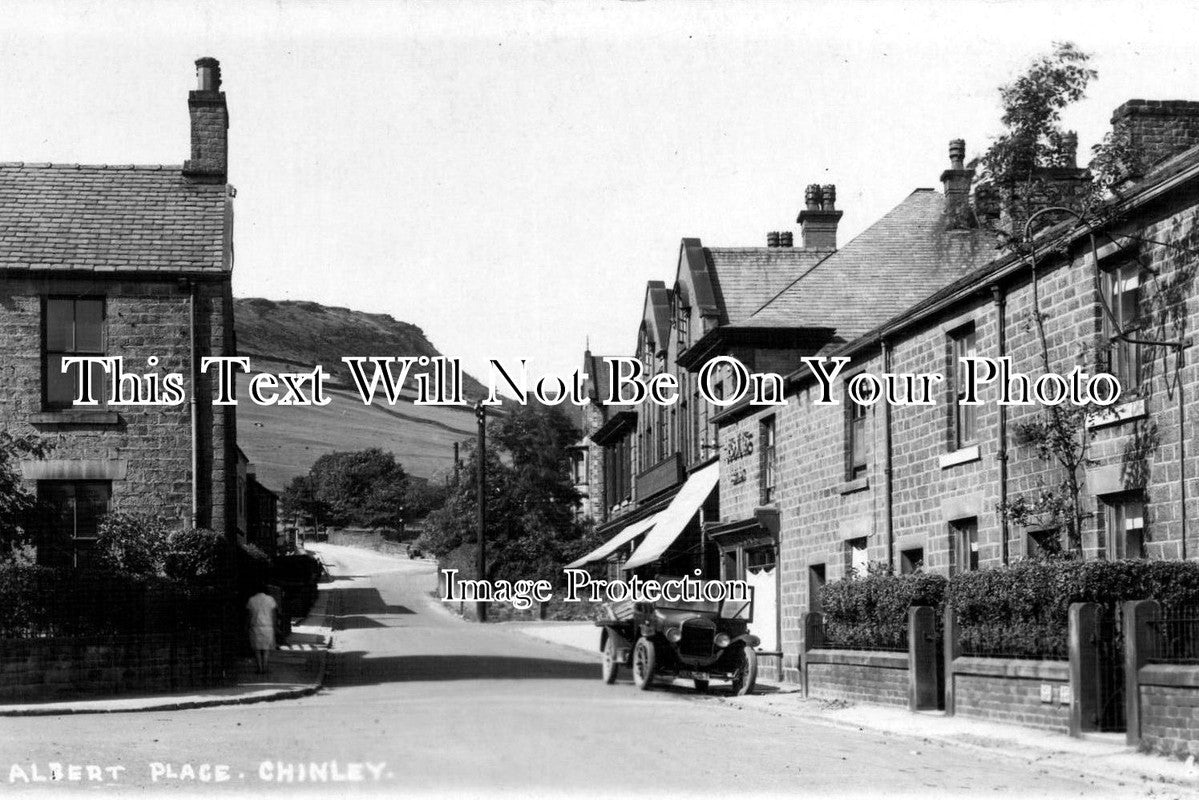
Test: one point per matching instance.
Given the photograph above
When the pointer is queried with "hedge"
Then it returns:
(38, 601)
(871, 612)
(1023, 610)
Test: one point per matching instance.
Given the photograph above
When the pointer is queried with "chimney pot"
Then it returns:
(828, 197)
(957, 153)
(208, 75)
(785, 239)
(812, 197)
(772, 239)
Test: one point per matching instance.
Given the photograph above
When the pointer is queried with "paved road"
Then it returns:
(420, 702)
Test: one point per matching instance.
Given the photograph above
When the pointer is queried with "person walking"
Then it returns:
(262, 610)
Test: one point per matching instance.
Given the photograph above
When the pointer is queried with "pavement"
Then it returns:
(1100, 755)
(419, 702)
(297, 669)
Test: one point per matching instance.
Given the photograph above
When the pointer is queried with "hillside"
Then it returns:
(282, 442)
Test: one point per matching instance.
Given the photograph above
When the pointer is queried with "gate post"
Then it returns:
(1084, 672)
(922, 658)
(1140, 645)
(812, 625)
(953, 649)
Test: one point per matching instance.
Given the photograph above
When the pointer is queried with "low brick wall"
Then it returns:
(56, 669)
(1170, 709)
(1009, 690)
(864, 676)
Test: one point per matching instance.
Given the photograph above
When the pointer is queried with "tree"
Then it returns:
(1013, 165)
(1032, 106)
(531, 529)
(364, 487)
(18, 505)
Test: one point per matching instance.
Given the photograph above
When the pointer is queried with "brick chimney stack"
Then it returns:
(209, 125)
(1157, 129)
(818, 221)
(957, 179)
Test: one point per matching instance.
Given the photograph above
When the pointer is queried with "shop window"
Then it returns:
(1122, 293)
(816, 587)
(768, 460)
(911, 560)
(963, 343)
(963, 545)
(70, 327)
(759, 558)
(855, 439)
(856, 556)
(1125, 522)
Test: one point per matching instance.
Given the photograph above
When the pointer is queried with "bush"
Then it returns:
(872, 611)
(197, 555)
(134, 544)
(1023, 610)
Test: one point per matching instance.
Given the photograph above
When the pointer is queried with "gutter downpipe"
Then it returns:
(888, 488)
(1001, 453)
(195, 423)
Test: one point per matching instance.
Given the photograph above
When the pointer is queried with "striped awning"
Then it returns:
(673, 520)
(626, 535)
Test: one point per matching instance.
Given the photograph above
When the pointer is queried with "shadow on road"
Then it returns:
(357, 668)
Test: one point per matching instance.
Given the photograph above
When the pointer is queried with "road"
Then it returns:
(419, 702)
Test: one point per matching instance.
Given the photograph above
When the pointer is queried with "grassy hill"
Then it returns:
(282, 442)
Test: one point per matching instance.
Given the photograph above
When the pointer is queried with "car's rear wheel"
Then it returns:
(746, 674)
(611, 665)
(701, 685)
(644, 657)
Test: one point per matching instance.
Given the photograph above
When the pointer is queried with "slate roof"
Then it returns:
(68, 217)
(746, 277)
(896, 262)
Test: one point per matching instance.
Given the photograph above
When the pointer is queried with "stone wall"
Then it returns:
(858, 676)
(1170, 709)
(1010, 690)
(55, 669)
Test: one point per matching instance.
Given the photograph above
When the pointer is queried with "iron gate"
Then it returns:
(1108, 652)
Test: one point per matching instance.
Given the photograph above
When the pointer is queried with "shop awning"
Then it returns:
(626, 535)
(675, 517)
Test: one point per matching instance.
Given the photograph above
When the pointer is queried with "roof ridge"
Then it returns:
(107, 167)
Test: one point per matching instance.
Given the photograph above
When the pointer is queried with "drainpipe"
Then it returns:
(1001, 454)
(195, 423)
(888, 486)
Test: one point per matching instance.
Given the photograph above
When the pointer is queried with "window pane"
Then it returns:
(91, 503)
(89, 326)
(60, 387)
(59, 325)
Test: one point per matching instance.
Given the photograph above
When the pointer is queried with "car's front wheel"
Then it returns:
(701, 686)
(611, 665)
(746, 674)
(644, 657)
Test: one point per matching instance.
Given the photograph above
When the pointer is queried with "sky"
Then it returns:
(507, 176)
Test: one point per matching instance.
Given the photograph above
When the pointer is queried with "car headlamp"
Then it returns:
(674, 634)
(722, 640)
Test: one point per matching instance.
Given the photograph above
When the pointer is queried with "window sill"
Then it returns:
(1114, 415)
(856, 485)
(958, 457)
(75, 416)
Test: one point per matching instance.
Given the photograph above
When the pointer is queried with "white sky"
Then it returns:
(508, 176)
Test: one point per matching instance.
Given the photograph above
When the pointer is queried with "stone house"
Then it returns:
(132, 262)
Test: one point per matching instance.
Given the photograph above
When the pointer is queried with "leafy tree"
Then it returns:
(1032, 106)
(18, 505)
(423, 496)
(365, 487)
(531, 529)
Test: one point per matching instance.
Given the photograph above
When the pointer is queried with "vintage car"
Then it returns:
(699, 640)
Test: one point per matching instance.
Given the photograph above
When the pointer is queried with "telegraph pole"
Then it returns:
(481, 454)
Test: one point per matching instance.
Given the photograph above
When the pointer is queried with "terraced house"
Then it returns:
(132, 262)
(922, 486)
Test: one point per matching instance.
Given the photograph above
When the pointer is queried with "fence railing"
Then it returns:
(1176, 636)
